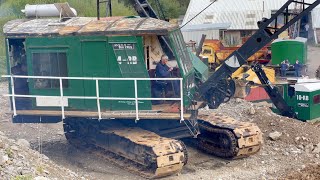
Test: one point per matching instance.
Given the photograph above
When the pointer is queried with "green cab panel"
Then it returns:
(94, 56)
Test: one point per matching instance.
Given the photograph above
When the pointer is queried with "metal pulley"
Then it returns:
(221, 93)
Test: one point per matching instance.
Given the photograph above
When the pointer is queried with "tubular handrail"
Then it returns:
(97, 97)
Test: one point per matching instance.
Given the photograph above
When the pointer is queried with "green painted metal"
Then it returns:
(184, 61)
(95, 64)
(200, 67)
(104, 56)
(302, 103)
(69, 45)
(305, 106)
(289, 49)
(124, 67)
(95, 57)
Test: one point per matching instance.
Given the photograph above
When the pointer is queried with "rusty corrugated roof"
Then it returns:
(87, 26)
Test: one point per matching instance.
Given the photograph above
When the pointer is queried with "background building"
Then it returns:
(243, 16)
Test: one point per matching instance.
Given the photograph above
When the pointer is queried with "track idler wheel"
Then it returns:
(219, 142)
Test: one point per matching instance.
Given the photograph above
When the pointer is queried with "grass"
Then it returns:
(22, 177)
(9, 152)
(40, 169)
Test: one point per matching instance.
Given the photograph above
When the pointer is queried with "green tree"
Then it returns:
(170, 8)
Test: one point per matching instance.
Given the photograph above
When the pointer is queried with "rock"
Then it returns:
(23, 143)
(296, 151)
(275, 135)
(2, 145)
(2, 134)
(3, 159)
(309, 148)
(238, 100)
(41, 178)
(44, 157)
(316, 150)
(286, 153)
(317, 155)
(252, 111)
(301, 147)
(15, 148)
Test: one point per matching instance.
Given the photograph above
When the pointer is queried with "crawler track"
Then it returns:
(225, 137)
(134, 149)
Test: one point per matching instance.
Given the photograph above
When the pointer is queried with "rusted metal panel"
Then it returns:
(257, 94)
(87, 26)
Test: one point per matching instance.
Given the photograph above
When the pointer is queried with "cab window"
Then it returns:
(49, 64)
(316, 99)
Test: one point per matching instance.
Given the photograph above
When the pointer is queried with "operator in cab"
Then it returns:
(164, 71)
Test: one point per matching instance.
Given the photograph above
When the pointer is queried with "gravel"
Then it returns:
(18, 161)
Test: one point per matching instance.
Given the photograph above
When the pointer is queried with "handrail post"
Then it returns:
(181, 100)
(13, 97)
(61, 98)
(98, 98)
(136, 99)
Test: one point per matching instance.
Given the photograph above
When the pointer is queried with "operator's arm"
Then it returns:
(162, 71)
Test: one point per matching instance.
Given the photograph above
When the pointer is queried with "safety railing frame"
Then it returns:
(97, 97)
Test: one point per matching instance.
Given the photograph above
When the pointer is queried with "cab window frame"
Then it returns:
(59, 72)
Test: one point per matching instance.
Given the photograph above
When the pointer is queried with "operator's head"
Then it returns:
(297, 61)
(164, 59)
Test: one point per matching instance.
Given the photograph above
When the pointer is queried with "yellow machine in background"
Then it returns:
(216, 52)
(245, 79)
(251, 76)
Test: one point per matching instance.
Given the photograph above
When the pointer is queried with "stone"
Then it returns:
(309, 148)
(317, 155)
(252, 111)
(23, 143)
(41, 178)
(18, 163)
(238, 100)
(44, 157)
(303, 138)
(15, 148)
(301, 147)
(296, 152)
(26, 171)
(2, 134)
(3, 159)
(316, 150)
(275, 135)
(286, 153)
(2, 145)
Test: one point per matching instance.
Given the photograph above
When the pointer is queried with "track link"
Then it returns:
(225, 137)
(137, 150)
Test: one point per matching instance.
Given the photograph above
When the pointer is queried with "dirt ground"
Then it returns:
(290, 157)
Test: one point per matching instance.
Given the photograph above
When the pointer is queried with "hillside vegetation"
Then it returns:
(11, 9)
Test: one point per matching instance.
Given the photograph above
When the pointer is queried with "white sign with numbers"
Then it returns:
(302, 97)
